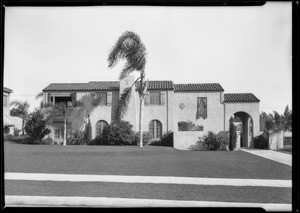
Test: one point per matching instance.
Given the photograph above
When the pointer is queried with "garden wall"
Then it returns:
(184, 139)
(275, 140)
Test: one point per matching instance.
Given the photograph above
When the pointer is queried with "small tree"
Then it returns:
(287, 116)
(20, 110)
(61, 110)
(35, 126)
(232, 135)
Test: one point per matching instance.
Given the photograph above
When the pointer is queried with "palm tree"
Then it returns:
(61, 110)
(20, 110)
(38, 96)
(130, 47)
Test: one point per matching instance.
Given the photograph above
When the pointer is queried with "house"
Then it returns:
(6, 111)
(9, 122)
(166, 105)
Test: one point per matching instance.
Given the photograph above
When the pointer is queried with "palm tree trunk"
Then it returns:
(65, 131)
(140, 120)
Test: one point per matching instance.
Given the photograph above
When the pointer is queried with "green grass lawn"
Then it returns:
(132, 160)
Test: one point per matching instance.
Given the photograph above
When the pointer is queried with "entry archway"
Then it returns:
(245, 123)
(100, 126)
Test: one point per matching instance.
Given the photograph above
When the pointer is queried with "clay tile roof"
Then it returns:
(198, 87)
(158, 85)
(240, 97)
(5, 89)
(104, 85)
(91, 86)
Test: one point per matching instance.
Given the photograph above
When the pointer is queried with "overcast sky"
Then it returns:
(245, 49)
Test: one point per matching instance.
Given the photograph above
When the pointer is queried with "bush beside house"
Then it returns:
(210, 141)
(35, 127)
(261, 141)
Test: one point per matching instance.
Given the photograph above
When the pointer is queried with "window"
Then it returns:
(201, 107)
(59, 132)
(100, 126)
(99, 98)
(155, 129)
(155, 98)
(63, 99)
(5, 100)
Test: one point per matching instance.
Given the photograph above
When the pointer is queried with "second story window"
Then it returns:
(155, 98)
(201, 107)
(5, 104)
(101, 98)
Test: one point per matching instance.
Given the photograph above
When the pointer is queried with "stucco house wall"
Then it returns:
(6, 107)
(215, 110)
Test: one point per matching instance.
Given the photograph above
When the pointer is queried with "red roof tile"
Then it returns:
(198, 87)
(240, 97)
(104, 85)
(158, 85)
(91, 86)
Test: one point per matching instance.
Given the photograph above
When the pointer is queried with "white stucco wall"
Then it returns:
(155, 112)
(275, 140)
(215, 110)
(101, 112)
(6, 110)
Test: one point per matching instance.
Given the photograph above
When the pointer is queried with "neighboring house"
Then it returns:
(6, 111)
(9, 121)
(166, 105)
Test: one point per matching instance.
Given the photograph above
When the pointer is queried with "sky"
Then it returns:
(245, 49)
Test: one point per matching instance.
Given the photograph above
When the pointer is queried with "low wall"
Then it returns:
(276, 140)
(184, 139)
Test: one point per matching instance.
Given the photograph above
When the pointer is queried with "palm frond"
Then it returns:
(39, 95)
(130, 47)
(122, 106)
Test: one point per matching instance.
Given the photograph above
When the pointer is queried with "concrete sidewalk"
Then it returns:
(271, 155)
(38, 201)
(147, 179)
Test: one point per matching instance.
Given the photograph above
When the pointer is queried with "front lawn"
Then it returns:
(132, 160)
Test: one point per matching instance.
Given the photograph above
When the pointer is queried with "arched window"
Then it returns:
(155, 129)
(100, 126)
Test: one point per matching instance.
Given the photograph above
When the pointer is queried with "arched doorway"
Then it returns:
(244, 125)
(155, 129)
(100, 126)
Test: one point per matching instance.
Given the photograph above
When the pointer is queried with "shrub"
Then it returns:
(35, 127)
(211, 141)
(232, 135)
(225, 137)
(165, 140)
(98, 140)
(287, 148)
(6, 130)
(8, 137)
(261, 142)
(189, 126)
(77, 138)
(16, 132)
(47, 141)
(118, 134)
(146, 138)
